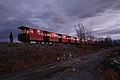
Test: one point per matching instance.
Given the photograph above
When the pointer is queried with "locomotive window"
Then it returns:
(48, 34)
(39, 32)
(31, 31)
(64, 37)
(22, 31)
(59, 37)
(25, 31)
(53, 35)
(78, 39)
(56, 35)
(71, 38)
(67, 37)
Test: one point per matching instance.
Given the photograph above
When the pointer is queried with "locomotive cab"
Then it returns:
(24, 35)
(30, 34)
(24, 30)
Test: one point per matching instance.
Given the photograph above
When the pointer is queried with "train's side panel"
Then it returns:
(72, 41)
(46, 36)
(60, 38)
(35, 34)
(83, 41)
(78, 41)
(65, 39)
(23, 37)
(53, 37)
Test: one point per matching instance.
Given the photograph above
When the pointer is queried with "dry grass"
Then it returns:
(16, 57)
(108, 75)
(107, 69)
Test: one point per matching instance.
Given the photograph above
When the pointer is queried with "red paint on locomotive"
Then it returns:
(53, 37)
(30, 34)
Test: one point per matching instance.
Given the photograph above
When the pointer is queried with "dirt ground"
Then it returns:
(16, 57)
(74, 69)
(82, 70)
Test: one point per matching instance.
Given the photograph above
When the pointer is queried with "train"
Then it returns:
(30, 34)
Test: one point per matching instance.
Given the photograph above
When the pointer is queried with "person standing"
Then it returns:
(11, 37)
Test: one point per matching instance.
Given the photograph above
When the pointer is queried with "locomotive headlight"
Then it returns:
(27, 31)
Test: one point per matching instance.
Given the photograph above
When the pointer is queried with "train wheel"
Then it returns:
(48, 42)
(44, 42)
(40, 42)
(24, 41)
(37, 42)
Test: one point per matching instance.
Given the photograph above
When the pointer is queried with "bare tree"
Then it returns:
(80, 30)
(83, 33)
(108, 39)
(88, 34)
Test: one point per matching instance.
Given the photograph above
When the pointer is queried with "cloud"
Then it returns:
(59, 16)
(106, 23)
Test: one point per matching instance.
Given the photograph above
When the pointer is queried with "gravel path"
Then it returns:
(82, 70)
(75, 69)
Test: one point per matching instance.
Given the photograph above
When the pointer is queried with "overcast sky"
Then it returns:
(101, 16)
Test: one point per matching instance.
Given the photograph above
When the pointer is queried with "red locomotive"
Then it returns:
(37, 35)
(31, 34)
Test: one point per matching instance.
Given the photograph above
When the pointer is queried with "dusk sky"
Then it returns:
(102, 17)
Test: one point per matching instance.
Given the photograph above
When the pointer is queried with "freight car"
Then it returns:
(29, 34)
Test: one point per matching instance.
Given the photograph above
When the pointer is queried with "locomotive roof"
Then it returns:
(23, 27)
(26, 27)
